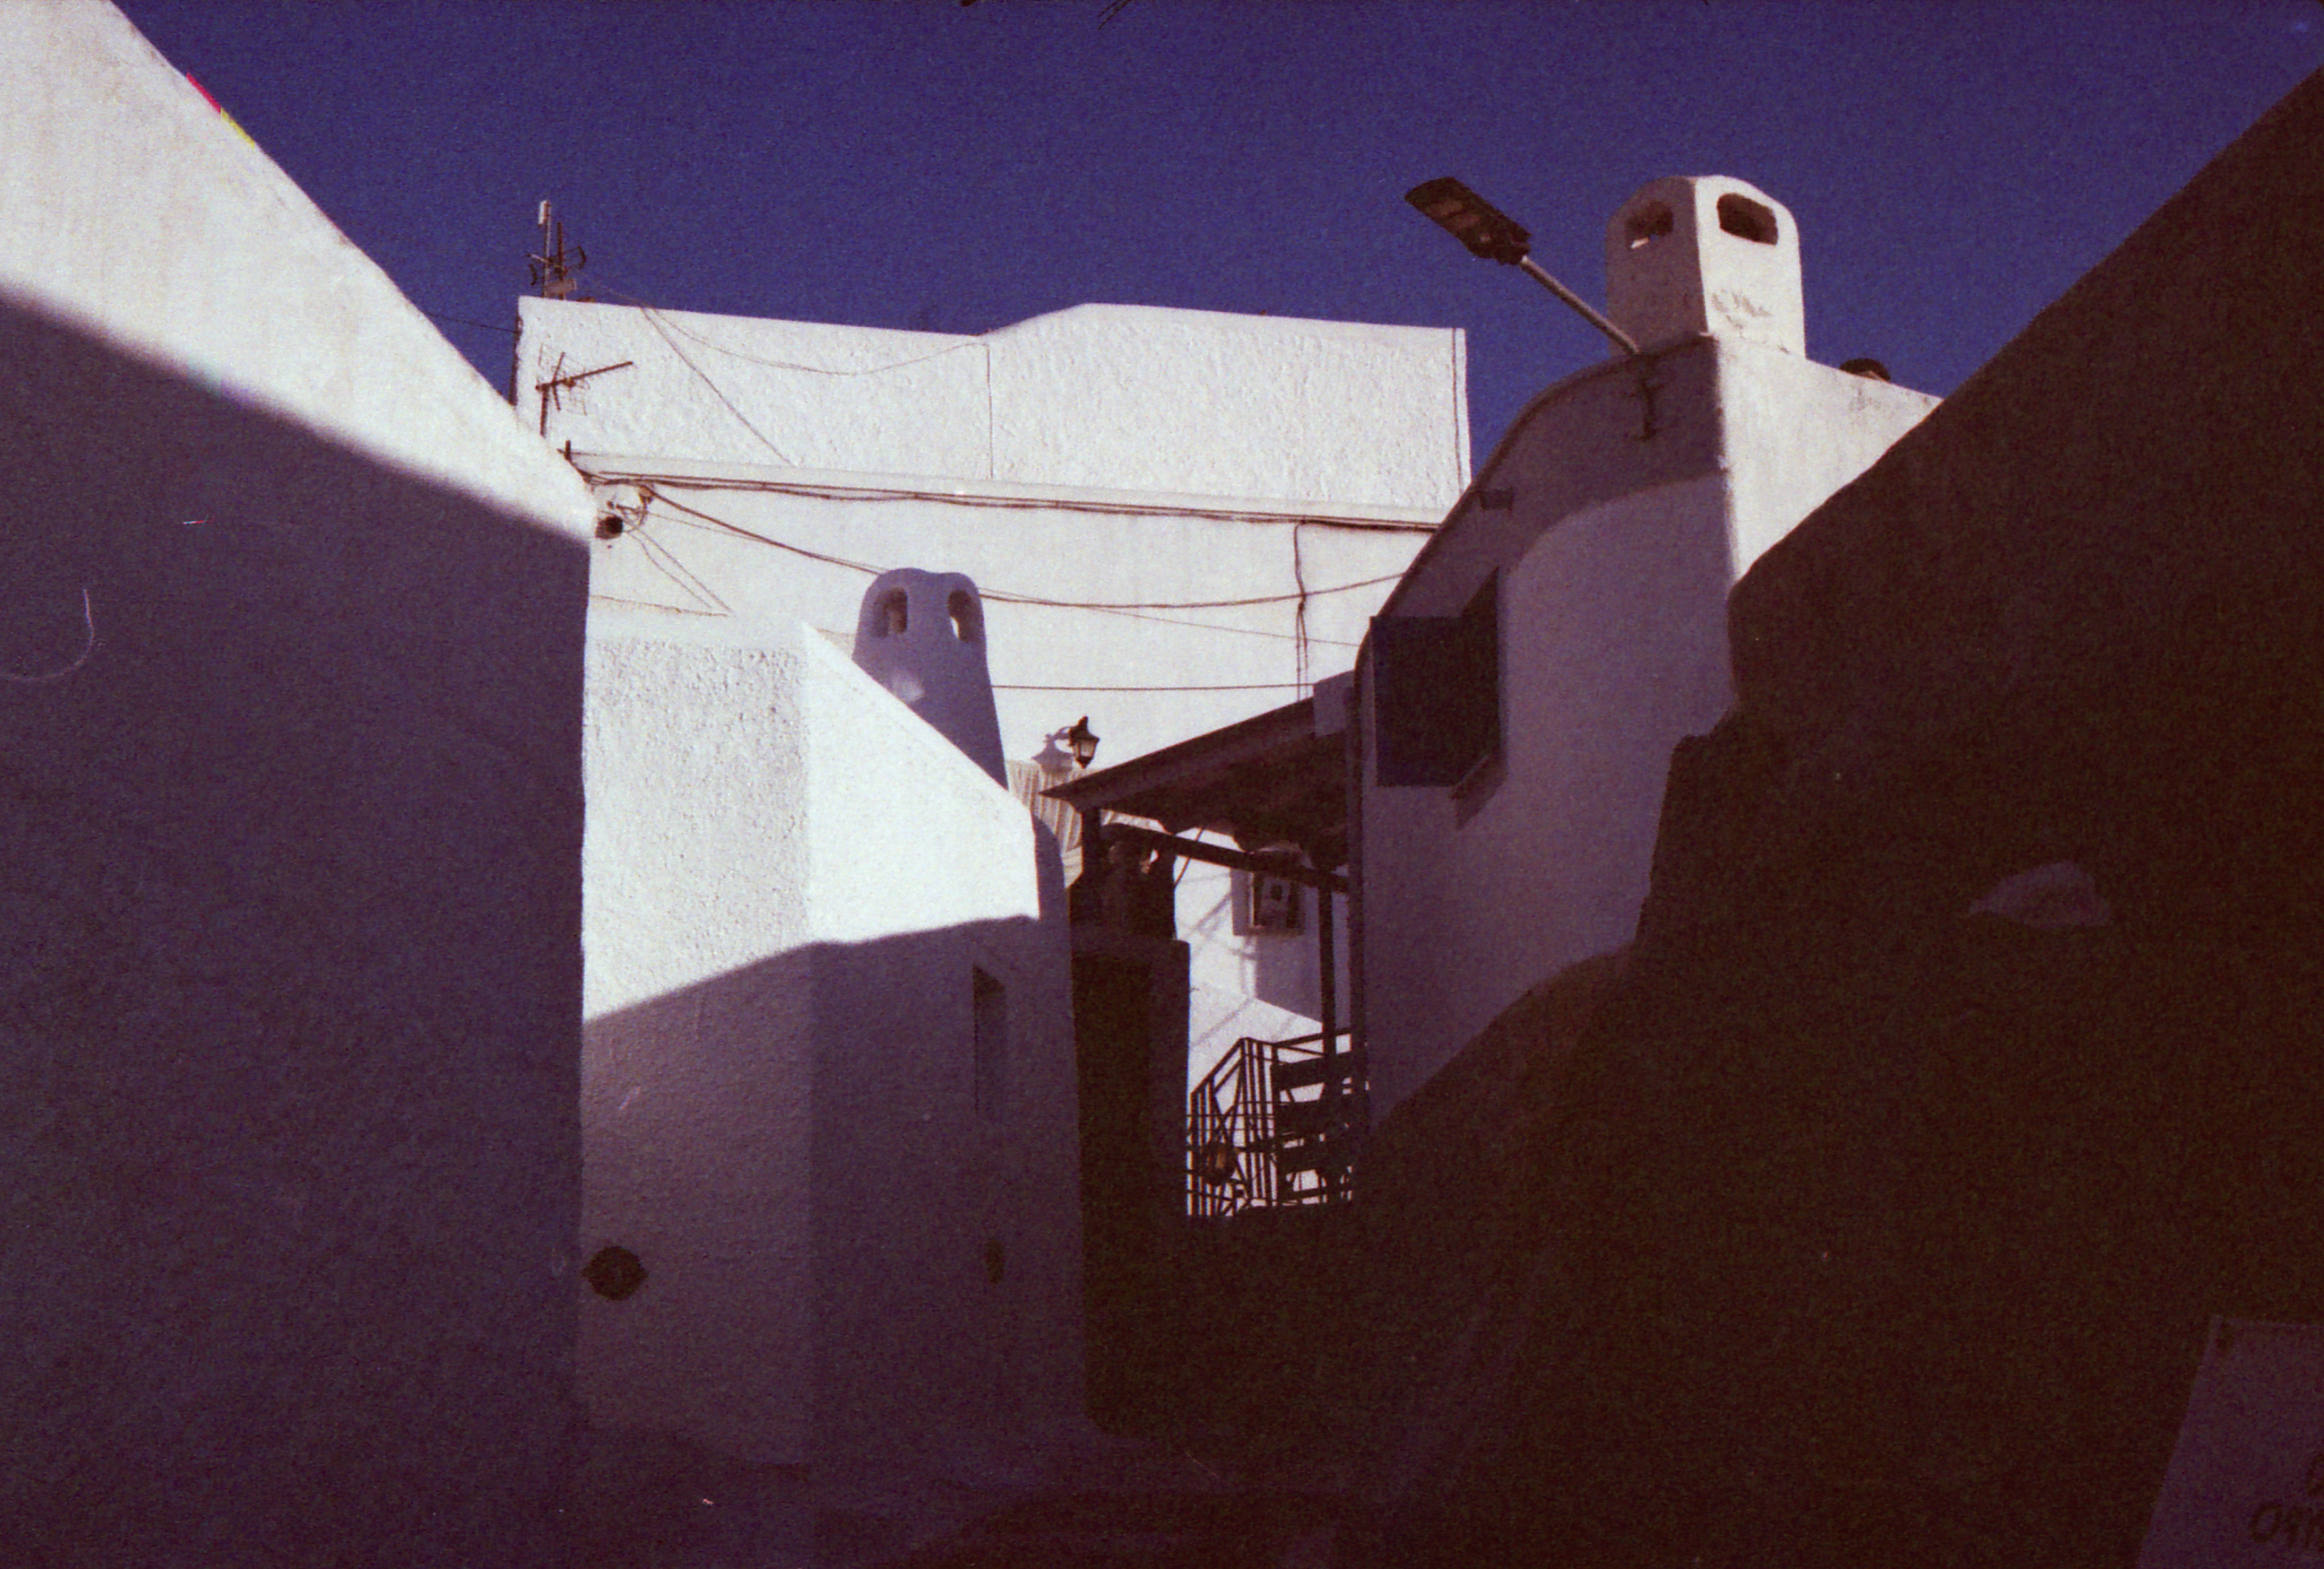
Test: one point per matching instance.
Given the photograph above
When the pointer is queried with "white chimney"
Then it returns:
(1705, 253)
(921, 635)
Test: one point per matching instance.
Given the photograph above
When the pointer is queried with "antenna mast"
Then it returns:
(556, 273)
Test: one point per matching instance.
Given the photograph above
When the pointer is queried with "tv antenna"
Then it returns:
(556, 271)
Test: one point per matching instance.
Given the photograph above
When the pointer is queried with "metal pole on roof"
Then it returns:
(1622, 340)
(1491, 234)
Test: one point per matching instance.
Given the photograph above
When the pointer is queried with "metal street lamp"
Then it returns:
(1082, 741)
(1491, 234)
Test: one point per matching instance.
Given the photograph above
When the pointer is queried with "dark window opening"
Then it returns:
(895, 615)
(1740, 214)
(989, 1005)
(967, 617)
(1437, 692)
(1649, 222)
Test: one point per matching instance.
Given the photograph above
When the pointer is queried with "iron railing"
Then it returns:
(1276, 1123)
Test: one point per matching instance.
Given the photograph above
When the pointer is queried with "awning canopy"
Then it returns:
(1266, 780)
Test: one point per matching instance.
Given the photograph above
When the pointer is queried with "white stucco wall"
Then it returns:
(1114, 397)
(1130, 467)
(923, 870)
(134, 211)
(1259, 983)
(1139, 398)
(697, 1078)
(1146, 676)
(1613, 648)
(289, 831)
(790, 879)
(1796, 432)
(1176, 672)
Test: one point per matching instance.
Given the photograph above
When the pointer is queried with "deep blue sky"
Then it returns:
(918, 163)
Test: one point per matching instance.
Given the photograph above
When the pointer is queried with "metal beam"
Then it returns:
(1219, 856)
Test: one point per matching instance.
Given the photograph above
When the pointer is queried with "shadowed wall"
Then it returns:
(290, 1003)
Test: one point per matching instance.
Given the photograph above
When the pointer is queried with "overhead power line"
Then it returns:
(820, 490)
(662, 319)
(1008, 596)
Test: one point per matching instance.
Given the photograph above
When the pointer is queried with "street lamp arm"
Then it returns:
(1491, 234)
(1622, 340)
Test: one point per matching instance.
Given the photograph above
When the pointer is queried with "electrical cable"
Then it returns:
(658, 605)
(662, 318)
(1006, 596)
(697, 522)
(830, 493)
(664, 561)
(664, 328)
(1199, 626)
(1299, 617)
(704, 377)
(678, 573)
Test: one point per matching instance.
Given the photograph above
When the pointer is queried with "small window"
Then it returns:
(895, 615)
(1437, 692)
(1648, 223)
(967, 617)
(1740, 214)
(989, 1025)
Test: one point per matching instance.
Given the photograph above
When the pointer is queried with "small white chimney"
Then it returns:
(921, 635)
(1705, 253)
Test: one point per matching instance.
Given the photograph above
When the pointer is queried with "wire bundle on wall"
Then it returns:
(657, 487)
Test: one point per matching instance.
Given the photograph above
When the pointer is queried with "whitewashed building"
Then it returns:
(1566, 628)
(828, 1087)
(1176, 518)
(834, 1171)
(290, 674)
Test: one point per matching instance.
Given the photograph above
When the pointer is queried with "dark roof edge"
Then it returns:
(1261, 733)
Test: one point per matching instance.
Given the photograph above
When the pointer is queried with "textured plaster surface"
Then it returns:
(791, 880)
(1896, 1153)
(130, 207)
(1699, 278)
(1139, 494)
(1117, 397)
(1264, 983)
(696, 1087)
(923, 870)
(1140, 398)
(1146, 677)
(717, 587)
(1796, 433)
(1616, 555)
(921, 635)
(289, 835)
